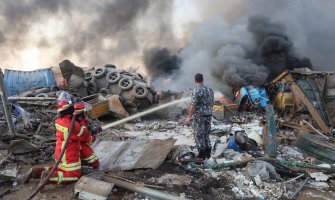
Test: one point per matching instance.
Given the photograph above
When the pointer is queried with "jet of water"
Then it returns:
(145, 113)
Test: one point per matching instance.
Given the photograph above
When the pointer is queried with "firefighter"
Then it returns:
(87, 154)
(69, 168)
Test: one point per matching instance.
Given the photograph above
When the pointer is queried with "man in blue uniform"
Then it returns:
(201, 110)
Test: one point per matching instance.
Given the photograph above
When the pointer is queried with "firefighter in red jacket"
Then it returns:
(69, 168)
(87, 154)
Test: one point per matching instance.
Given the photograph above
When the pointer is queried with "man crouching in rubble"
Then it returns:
(69, 168)
(201, 110)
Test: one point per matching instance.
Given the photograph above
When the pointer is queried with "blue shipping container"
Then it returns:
(17, 82)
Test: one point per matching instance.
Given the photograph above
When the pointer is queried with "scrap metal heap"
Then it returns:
(260, 149)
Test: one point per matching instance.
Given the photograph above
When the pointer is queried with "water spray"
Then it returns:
(145, 113)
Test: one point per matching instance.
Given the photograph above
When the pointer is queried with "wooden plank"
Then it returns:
(298, 94)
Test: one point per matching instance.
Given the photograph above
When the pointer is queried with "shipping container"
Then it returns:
(17, 82)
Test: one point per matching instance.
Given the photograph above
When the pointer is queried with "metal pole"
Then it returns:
(32, 98)
(5, 104)
(141, 189)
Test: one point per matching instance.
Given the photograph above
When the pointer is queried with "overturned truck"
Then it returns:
(133, 91)
(107, 89)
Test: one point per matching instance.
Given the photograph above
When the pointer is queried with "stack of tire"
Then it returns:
(133, 90)
(41, 92)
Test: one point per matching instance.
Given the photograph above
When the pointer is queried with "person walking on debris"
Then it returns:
(69, 169)
(87, 154)
(201, 110)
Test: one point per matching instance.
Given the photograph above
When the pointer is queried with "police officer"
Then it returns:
(201, 110)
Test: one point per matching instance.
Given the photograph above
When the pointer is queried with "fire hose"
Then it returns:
(45, 181)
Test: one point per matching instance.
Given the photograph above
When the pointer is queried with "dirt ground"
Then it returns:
(201, 187)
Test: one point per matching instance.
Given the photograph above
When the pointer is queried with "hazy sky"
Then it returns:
(42, 39)
(41, 33)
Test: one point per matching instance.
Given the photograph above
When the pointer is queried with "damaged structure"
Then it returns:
(285, 151)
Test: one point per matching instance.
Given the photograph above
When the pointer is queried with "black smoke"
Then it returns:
(274, 49)
(160, 62)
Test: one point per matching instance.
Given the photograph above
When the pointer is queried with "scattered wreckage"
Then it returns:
(100, 87)
(252, 156)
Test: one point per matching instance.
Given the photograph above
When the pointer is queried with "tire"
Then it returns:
(99, 72)
(36, 87)
(88, 75)
(42, 95)
(139, 91)
(104, 91)
(27, 94)
(140, 76)
(110, 66)
(113, 77)
(126, 83)
(92, 88)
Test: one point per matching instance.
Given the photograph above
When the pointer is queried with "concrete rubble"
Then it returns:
(153, 153)
(127, 155)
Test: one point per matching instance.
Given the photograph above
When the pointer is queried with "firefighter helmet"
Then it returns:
(64, 96)
(63, 105)
(79, 107)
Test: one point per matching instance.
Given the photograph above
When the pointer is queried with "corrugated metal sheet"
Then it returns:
(20, 81)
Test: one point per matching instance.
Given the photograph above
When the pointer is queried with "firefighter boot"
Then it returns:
(208, 153)
(202, 153)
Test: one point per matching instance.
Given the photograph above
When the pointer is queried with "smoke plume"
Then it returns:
(232, 42)
(274, 47)
(255, 42)
(160, 62)
(89, 33)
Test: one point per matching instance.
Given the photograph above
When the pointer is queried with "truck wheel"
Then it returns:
(140, 91)
(28, 94)
(110, 66)
(88, 75)
(99, 72)
(92, 88)
(113, 77)
(126, 83)
(104, 91)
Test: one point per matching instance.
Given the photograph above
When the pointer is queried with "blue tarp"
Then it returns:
(255, 94)
(17, 82)
(232, 144)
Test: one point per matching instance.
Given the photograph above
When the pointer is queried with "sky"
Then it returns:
(30, 53)
(41, 33)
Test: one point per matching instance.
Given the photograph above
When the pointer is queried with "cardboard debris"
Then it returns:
(127, 155)
(92, 189)
(22, 146)
(173, 179)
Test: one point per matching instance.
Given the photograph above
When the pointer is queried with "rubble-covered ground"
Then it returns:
(249, 180)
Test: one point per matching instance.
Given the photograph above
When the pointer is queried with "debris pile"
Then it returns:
(280, 152)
